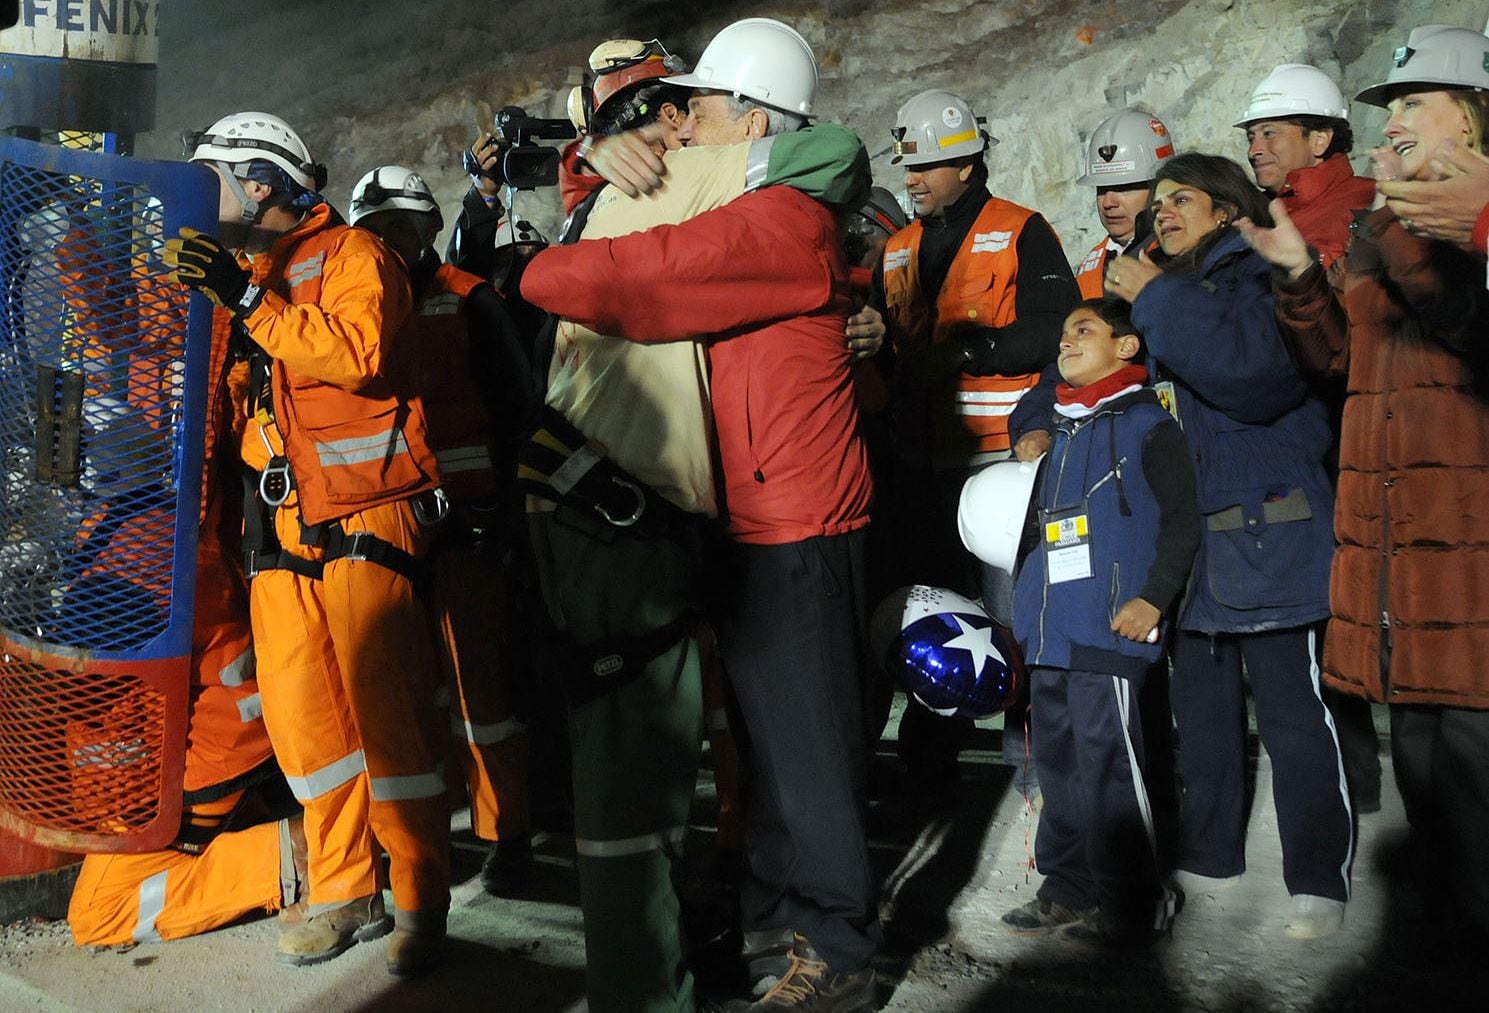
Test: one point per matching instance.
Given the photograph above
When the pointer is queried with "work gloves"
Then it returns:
(198, 261)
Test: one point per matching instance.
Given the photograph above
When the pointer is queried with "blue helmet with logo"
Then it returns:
(946, 653)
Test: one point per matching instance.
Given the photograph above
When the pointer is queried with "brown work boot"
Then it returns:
(331, 933)
(412, 953)
(809, 984)
(1041, 915)
(294, 871)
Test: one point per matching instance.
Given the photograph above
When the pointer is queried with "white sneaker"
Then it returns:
(1313, 917)
(1193, 884)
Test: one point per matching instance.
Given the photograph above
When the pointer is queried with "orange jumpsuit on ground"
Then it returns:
(345, 655)
(469, 599)
(193, 888)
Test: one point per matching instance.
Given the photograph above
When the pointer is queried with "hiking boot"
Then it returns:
(331, 933)
(1312, 917)
(411, 953)
(508, 867)
(766, 954)
(294, 871)
(1041, 915)
(809, 984)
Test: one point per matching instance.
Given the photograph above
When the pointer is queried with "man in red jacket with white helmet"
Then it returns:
(765, 276)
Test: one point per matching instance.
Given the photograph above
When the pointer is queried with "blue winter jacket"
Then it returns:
(1258, 436)
(1095, 469)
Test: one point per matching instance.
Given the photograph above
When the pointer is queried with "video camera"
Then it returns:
(526, 165)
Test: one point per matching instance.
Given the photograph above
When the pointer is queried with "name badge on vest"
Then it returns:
(1169, 398)
(1067, 545)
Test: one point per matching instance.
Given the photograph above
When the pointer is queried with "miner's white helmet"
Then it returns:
(1127, 147)
(1292, 90)
(1435, 55)
(391, 188)
(937, 125)
(243, 137)
(760, 59)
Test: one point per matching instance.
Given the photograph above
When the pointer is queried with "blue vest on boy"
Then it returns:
(1061, 618)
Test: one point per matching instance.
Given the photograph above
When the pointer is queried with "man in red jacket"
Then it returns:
(1297, 141)
(765, 276)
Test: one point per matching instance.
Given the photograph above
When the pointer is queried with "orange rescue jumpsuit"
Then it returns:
(469, 597)
(173, 893)
(347, 666)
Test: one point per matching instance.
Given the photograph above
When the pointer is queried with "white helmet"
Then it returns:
(936, 125)
(760, 59)
(993, 509)
(521, 234)
(389, 188)
(1128, 147)
(1438, 55)
(1294, 89)
(243, 137)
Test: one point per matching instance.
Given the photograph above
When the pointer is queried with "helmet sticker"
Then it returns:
(952, 117)
(1156, 125)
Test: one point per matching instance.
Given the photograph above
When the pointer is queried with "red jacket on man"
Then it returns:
(1320, 200)
(763, 280)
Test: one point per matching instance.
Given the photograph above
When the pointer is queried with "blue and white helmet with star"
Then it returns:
(946, 652)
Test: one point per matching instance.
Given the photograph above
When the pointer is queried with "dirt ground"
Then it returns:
(948, 876)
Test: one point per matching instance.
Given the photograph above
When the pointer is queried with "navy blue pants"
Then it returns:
(1095, 840)
(790, 638)
(1309, 788)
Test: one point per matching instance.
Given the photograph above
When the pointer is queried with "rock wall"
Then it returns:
(383, 81)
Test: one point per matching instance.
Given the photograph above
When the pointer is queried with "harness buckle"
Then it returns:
(441, 508)
(275, 482)
(358, 544)
(635, 490)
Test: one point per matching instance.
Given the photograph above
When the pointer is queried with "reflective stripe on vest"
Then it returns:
(463, 459)
(406, 787)
(305, 270)
(630, 845)
(361, 449)
(486, 735)
(239, 669)
(1090, 276)
(251, 708)
(151, 907)
(981, 288)
(333, 775)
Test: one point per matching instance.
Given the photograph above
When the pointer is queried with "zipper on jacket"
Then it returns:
(1383, 584)
(1044, 593)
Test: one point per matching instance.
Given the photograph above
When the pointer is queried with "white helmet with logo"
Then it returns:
(1435, 55)
(760, 59)
(993, 508)
(1291, 90)
(1128, 147)
(243, 137)
(392, 188)
(937, 125)
(522, 233)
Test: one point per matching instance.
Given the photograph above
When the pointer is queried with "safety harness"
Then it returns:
(602, 500)
(268, 490)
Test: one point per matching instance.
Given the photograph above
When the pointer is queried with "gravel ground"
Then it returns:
(948, 876)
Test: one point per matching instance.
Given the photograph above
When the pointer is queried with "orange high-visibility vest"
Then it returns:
(437, 337)
(980, 289)
(348, 449)
(1090, 276)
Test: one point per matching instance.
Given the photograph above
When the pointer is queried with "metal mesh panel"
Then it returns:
(103, 367)
(91, 381)
(80, 753)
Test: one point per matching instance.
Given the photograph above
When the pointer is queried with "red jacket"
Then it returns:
(1321, 199)
(763, 279)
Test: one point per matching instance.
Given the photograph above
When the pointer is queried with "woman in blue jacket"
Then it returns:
(1260, 587)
